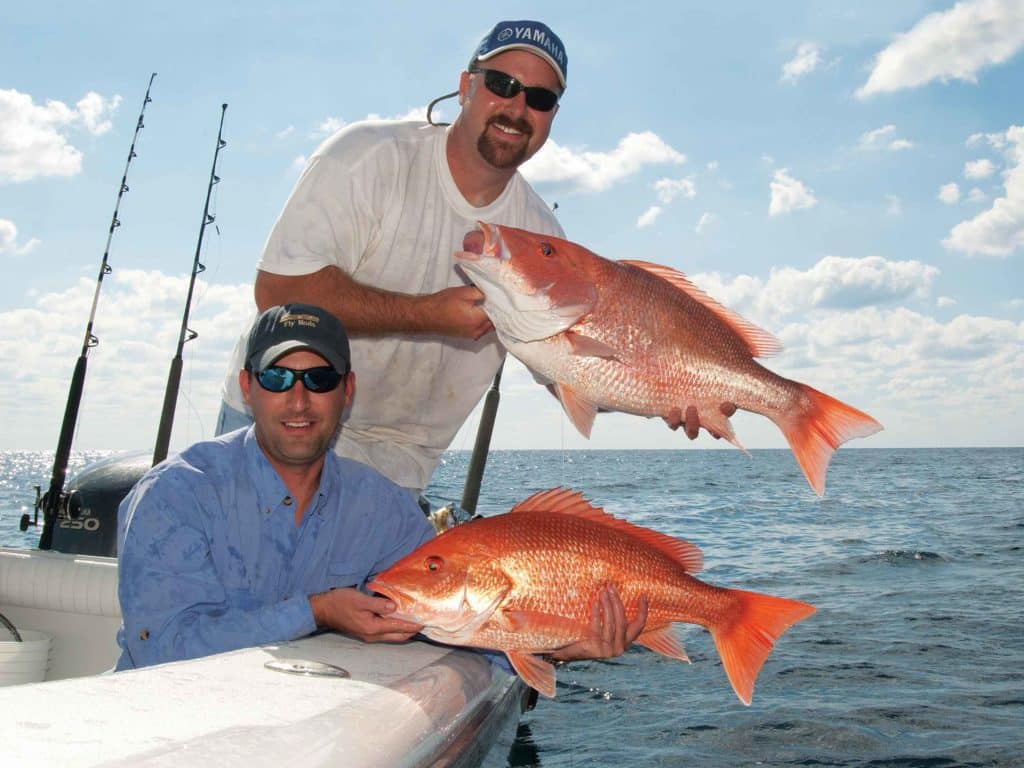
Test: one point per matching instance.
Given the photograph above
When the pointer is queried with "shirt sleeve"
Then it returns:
(333, 214)
(411, 528)
(173, 604)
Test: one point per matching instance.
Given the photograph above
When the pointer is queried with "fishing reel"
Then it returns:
(448, 516)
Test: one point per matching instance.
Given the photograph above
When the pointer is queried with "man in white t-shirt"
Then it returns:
(369, 233)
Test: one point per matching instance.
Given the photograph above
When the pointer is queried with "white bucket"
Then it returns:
(27, 661)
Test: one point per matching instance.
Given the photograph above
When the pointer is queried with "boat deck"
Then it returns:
(413, 704)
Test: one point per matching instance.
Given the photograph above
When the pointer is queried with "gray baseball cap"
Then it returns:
(291, 327)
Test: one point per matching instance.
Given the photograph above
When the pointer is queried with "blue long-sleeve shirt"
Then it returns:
(210, 558)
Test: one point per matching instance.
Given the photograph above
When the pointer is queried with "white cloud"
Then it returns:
(32, 137)
(705, 222)
(299, 164)
(807, 59)
(597, 171)
(949, 193)
(95, 112)
(328, 126)
(979, 169)
(285, 132)
(999, 231)
(9, 240)
(331, 125)
(976, 195)
(834, 283)
(883, 138)
(138, 327)
(945, 301)
(669, 189)
(949, 45)
(894, 205)
(788, 194)
(648, 217)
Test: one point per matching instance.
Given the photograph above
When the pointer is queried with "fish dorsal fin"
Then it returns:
(569, 502)
(759, 342)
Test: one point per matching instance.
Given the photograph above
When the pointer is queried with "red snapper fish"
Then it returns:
(523, 583)
(641, 338)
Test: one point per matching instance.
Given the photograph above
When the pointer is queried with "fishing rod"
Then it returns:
(478, 460)
(163, 437)
(52, 499)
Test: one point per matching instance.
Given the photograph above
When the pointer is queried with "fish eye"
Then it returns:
(434, 563)
(547, 249)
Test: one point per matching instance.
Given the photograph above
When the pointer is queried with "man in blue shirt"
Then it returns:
(265, 534)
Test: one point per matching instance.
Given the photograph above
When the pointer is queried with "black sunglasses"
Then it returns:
(507, 87)
(277, 378)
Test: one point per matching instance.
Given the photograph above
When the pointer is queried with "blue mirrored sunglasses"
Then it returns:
(507, 87)
(277, 378)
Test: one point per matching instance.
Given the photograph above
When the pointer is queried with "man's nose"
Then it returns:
(298, 395)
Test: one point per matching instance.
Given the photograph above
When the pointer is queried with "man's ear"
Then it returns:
(463, 88)
(243, 382)
(350, 388)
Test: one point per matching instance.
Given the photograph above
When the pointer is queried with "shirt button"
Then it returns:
(144, 634)
(287, 501)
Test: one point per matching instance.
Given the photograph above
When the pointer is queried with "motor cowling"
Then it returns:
(86, 523)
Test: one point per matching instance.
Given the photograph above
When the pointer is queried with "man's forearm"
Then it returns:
(361, 308)
(366, 310)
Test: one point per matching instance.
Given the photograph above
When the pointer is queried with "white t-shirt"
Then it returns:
(378, 200)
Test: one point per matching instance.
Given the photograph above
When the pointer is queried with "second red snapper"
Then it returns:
(640, 338)
(523, 583)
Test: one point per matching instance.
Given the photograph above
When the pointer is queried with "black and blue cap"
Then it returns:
(291, 327)
(532, 36)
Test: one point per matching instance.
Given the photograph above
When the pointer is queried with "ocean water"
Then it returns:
(914, 559)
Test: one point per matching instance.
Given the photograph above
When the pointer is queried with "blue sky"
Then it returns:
(848, 175)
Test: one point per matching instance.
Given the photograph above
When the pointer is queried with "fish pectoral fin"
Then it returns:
(665, 642)
(581, 412)
(536, 672)
(587, 346)
(523, 621)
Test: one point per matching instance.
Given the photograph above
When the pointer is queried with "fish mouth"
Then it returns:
(401, 600)
(397, 596)
(482, 242)
(384, 589)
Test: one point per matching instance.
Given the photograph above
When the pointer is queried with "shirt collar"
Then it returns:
(269, 485)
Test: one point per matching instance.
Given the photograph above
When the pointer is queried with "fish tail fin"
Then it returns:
(745, 638)
(818, 428)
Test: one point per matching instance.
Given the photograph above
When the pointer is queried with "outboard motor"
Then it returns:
(86, 521)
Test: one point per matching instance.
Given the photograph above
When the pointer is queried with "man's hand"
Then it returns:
(691, 422)
(361, 616)
(610, 633)
(458, 312)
